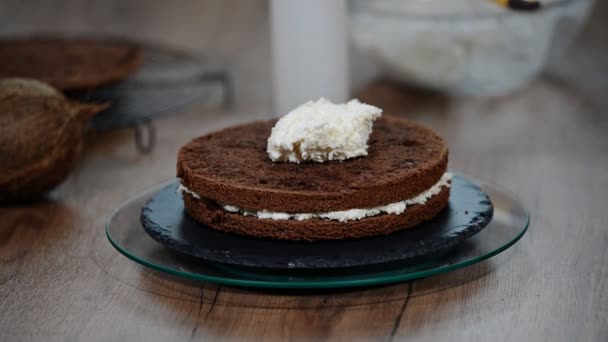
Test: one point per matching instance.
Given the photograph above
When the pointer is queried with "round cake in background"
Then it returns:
(69, 64)
(229, 183)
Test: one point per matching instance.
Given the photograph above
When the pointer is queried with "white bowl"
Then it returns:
(464, 47)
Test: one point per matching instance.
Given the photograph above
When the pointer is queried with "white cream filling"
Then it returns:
(395, 208)
(181, 188)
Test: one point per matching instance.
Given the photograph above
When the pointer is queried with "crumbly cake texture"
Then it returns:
(231, 167)
(69, 64)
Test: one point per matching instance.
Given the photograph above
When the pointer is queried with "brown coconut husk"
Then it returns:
(41, 137)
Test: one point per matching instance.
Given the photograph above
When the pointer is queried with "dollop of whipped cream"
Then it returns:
(320, 131)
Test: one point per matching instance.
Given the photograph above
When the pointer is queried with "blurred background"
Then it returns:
(483, 75)
(464, 47)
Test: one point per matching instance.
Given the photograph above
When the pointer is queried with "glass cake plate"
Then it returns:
(125, 232)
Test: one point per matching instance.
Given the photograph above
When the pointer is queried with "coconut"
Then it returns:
(41, 137)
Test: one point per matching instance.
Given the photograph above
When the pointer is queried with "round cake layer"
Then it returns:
(68, 64)
(209, 213)
(231, 167)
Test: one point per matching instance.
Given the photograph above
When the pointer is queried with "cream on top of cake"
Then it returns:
(320, 131)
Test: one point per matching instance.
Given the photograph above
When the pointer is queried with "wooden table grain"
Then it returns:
(60, 279)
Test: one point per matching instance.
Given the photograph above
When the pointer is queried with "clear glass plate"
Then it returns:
(124, 230)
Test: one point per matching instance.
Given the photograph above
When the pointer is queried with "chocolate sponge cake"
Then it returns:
(229, 183)
(69, 64)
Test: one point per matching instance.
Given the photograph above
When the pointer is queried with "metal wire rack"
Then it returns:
(170, 80)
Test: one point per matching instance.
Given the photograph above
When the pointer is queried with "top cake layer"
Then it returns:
(232, 167)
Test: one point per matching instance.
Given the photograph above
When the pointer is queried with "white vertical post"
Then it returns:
(310, 52)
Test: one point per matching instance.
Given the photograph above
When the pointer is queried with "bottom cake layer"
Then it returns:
(213, 215)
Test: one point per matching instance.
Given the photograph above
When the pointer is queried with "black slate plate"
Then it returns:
(165, 220)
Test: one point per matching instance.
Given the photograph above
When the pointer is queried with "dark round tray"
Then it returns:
(164, 219)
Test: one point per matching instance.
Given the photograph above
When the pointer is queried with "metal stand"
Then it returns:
(169, 81)
(144, 141)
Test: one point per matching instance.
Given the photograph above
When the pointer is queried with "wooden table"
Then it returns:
(61, 280)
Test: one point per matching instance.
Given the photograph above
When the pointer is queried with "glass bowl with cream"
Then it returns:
(464, 47)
